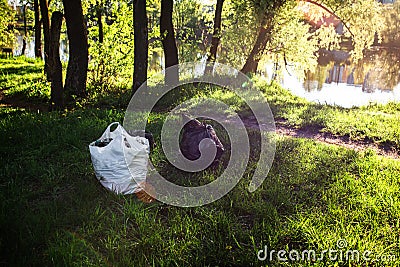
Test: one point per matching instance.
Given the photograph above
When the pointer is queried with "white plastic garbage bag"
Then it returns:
(118, 171)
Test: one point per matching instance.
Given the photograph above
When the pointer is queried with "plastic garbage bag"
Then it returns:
(122, 173)
(195, 131)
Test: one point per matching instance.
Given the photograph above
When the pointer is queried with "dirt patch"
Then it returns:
(315, 133)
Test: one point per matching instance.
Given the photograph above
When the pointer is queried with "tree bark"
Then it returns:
(168, 42)
(264, 34)
(56, 97)
(25, 31)
(216, 37)
(141, 44)
(38, 35)
(75, 81)
(44, 11)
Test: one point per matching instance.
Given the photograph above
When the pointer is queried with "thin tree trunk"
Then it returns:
(141, 44)
(38, 35)
(56, 100)
(44, 11)
(168, 42)
(216, 37)
(75, 81)
(25, 31)
(100, 23)
(264, 34)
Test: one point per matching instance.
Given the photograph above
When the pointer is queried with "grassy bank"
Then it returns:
(55, 212)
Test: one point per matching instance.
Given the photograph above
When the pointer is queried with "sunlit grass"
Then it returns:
(54, 212)
(23, 77)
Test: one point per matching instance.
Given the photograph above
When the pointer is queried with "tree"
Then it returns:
(216, 36)
(264, 34)
(99, 14)
(38, 35)
(75, 81)
(352, 13)
(56, 97)
(111, 61)
(268, 10)
(25, 30)
(168, 41)
(44, 11)
(141, 44)
(187, 19)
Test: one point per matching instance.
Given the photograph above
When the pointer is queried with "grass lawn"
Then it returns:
(316, 197)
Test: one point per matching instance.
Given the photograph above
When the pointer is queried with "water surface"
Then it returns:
(338, 81)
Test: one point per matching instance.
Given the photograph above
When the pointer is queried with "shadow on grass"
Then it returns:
(54, 212)
(20, 70)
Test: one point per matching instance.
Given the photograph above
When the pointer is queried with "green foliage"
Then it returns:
(292, 38)
(6, 18)
(110, 62)
(239, 30)
(327, 38)
(292, 41)
(187, 21)
(364, 18)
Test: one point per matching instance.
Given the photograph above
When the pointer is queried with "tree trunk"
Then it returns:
(38, 35)
(168, 42)
(100, 23)
(75, 81)
(141, 44)
(215, 38)
(44, 11)
(25, 31)
(264, 34)
(56, 100)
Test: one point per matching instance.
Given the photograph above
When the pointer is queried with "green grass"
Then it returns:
(54, 212)
(23, 77)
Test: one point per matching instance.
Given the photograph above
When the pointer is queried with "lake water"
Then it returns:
(30, 47)
(336, 81)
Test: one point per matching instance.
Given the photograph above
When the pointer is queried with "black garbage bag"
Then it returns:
(193, 132)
